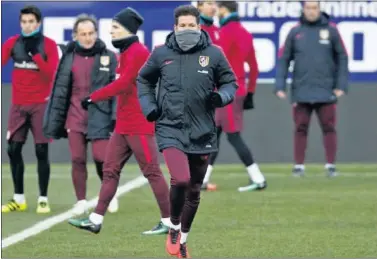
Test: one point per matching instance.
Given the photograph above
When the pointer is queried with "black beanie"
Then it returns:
(130, 19)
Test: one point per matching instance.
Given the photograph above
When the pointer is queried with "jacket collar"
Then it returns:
(232, 17)
(206, 20)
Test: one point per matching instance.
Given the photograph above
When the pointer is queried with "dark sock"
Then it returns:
(99, 169)
(16, 165)
(241, 148)
(43, 168)
(177, 201)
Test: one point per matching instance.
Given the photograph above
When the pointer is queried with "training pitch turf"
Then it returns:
(308, 217)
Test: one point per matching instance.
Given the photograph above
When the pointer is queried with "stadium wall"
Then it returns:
(268, 130)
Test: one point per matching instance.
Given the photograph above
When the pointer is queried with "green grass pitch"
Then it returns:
(311, 217)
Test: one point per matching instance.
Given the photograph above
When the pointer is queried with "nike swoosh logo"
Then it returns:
(86, 224)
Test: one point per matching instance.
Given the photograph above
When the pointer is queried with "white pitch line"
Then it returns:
(52, 221)
(234, 175)
(66, 176)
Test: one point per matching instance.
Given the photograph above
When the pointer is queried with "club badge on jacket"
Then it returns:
(324, 36)
(105, 61)
(203, 61)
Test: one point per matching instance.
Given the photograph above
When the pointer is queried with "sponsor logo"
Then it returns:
(292, 9)
(268, 21)
(26, 65)
(104, 69)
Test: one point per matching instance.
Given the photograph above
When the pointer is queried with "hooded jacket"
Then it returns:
(186, 80)
(320, 62)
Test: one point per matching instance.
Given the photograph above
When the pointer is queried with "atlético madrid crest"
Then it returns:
(105, 60)
(203, 61)
(324, 34)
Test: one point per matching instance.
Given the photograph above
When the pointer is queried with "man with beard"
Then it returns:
(133, 133)
(237, 44)
(188, 68)
(35, 59)
(85, 66)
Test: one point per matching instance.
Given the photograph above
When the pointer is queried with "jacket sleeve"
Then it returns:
(341, 59)
(124, 83)
(225, 80)
(254, 69)
(6, 49)
(284, 59)
(48, 67)
(57, 107)
(113, 67)
(146, 84)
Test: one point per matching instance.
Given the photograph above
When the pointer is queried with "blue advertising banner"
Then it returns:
(268, 21)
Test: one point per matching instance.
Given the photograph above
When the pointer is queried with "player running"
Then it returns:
(133, 133)
(238, 47)
(188, 67)
(35, 59)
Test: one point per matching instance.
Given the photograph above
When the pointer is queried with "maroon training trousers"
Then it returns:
(118, 152)
(326, 114)
(187, 173)
(78, 145)
(25, 117)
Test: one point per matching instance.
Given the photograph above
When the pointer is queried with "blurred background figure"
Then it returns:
(207, 11)
(35, 60)
(86, 65)
(237, 44)
(320, 77)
